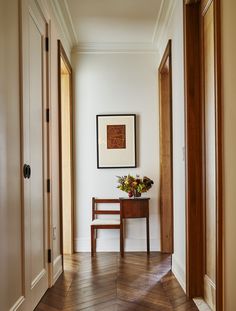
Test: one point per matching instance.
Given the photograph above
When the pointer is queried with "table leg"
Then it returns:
(148, 239)
(121, 239)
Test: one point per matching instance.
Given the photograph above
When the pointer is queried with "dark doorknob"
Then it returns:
(26, 171)
(29, 171)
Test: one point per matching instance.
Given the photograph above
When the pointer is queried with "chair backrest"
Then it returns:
(96, 211)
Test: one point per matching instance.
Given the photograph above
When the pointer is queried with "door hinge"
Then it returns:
(47, 44)
(49, 255)
(48, 185)
(47, 115)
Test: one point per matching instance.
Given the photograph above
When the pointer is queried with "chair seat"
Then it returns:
(105, 222)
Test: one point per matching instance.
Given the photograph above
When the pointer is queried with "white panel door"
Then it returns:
(34, 70)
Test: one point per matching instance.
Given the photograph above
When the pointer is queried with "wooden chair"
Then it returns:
(105, 223)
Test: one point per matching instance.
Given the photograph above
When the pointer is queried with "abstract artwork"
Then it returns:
(116, 136)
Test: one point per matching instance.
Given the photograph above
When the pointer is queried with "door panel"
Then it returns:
(210, 157)
(34, 79)
(11, 224)
(36, 152)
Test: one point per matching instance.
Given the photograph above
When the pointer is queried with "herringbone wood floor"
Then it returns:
(137, 282)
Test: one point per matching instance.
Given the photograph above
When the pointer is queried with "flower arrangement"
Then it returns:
(134, 186)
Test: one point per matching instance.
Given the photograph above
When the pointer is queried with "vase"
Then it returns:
(130, 194)
(137, 194)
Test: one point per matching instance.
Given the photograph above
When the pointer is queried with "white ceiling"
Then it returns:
(114, 21)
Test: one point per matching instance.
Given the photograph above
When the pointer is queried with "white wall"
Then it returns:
(114, 83)
(228, 9)
(10, 173)
(172, 28)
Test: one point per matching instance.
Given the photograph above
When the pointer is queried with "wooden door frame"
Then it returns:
(167, 58)
(194, 136)
(62, 55)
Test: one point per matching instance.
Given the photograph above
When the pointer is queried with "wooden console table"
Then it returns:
(134, 208)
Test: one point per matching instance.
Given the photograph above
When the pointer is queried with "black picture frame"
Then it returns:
(123, 154)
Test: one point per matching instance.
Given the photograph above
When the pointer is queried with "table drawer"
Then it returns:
(135, 208)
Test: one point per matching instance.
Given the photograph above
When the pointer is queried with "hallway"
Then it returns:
(108, 283)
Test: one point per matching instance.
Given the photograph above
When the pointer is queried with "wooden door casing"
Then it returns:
(195, 147)
(209, 116)
(166, 161)
(66, 151)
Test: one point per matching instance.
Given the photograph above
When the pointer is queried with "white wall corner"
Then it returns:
(179, 271)
(57, 268)
(157, 25)
(64, 20)
(165, 15)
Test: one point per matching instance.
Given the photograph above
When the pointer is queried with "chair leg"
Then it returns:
(92, 241)
(95, 240)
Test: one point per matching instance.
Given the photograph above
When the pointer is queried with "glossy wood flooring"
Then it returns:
(137, 282)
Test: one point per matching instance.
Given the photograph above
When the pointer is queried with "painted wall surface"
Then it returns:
(10, 173)
(172, 28)
(228, 9)
(110, 84)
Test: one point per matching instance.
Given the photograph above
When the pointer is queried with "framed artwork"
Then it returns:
(116, 141)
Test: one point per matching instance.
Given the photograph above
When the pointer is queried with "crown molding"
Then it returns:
(70, 22)
(62, 14)
(109, 48)
(166, 12)
(64, 19)
(157, 21)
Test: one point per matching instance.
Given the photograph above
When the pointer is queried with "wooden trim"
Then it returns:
(166, 247)
(219, 161)
(193, 203)
(194, 161)
(62, 55)
(60, 148)
(167, 53)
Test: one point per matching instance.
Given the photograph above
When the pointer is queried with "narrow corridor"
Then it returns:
(107, 282)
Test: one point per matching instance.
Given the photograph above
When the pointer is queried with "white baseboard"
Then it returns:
(179, 272)
(17, 304)
(209, 292)
(57, 268)
(113, 245)
(201, 304)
